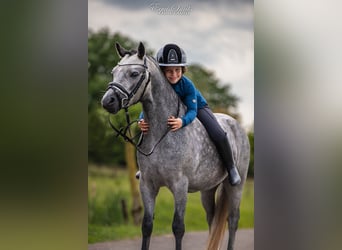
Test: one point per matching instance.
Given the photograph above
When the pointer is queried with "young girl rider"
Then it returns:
(172, 61)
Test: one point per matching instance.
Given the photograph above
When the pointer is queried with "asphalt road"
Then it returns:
(191, 241)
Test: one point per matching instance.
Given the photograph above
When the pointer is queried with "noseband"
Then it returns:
(128, 96)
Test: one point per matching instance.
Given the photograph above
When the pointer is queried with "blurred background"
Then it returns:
(44, 125)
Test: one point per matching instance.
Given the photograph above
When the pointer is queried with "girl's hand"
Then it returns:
(174, 123)
(143, 126)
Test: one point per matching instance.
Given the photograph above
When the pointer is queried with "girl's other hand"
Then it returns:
(174, 123)
(143, 126)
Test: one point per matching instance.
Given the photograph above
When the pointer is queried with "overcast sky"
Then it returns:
(218, 34)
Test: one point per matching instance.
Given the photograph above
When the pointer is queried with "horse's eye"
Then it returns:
(134, 74)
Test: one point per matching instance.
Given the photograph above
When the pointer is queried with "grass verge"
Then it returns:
(108, 187)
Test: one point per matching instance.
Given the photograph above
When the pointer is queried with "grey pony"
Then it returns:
(185, 160)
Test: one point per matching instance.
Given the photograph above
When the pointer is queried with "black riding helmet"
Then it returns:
(171, 55)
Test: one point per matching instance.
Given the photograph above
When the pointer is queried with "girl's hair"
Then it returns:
(183, 68)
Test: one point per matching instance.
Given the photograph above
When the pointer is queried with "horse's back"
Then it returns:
(207, 170)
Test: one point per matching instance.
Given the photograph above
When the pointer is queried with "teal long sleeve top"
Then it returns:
(190, 96)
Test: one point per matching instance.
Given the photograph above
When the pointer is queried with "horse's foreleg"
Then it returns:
(148, 196)
(208, 202)
(180, 191)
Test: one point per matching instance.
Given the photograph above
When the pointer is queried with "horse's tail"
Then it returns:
(219, 224)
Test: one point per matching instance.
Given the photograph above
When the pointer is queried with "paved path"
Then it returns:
(191, 241)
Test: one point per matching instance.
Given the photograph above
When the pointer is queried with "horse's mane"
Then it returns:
(134, 51)
(154, 60)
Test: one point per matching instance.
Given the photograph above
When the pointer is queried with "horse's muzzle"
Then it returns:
(111, 101)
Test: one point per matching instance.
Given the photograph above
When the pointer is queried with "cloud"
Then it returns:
(138, 4)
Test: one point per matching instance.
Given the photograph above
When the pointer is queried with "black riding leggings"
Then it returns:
(207, 118)
(217, 135)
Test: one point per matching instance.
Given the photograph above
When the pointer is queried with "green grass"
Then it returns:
(106, 189)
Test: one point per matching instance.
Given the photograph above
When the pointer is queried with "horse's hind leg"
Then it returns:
(180, 192)
(208, 202)
(233, 220)
(148, 195)
(234, 197)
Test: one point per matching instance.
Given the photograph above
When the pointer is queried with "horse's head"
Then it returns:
(130, 79)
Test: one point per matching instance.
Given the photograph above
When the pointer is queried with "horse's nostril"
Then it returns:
(108, 101)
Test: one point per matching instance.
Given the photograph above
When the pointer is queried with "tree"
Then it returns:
(219, 96)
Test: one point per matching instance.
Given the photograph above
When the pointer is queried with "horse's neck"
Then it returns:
(162, 103)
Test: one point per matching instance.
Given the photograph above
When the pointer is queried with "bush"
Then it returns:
(106, 212)
(104, 198)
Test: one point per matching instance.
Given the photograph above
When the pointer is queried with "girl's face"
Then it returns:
(173, 73)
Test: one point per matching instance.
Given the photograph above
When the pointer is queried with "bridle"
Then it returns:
(128, 96)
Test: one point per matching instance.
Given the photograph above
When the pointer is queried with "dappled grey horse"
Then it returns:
(185, 160)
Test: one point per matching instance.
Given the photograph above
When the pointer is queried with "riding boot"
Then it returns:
(225, 152)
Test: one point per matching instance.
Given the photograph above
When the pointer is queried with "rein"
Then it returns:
(128, 96)
(123, 132)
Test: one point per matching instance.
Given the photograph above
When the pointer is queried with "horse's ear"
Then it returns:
(121, 51)
(141, 50)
